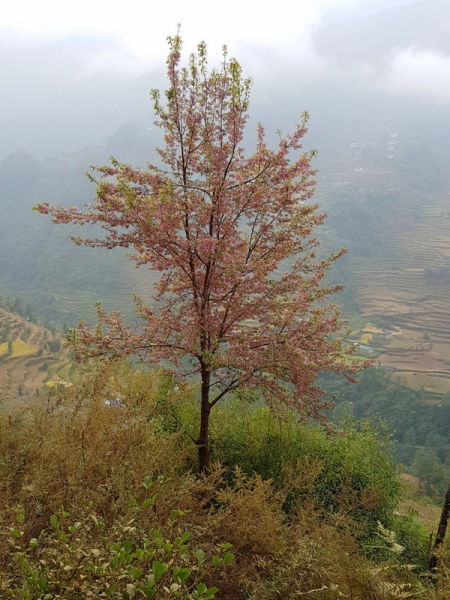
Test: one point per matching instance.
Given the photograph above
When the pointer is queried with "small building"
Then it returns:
(365, 349)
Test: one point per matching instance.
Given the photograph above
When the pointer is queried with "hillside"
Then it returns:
(395, 220)
(37, 260)
(31, 358)
(385, 189)
(301, 511)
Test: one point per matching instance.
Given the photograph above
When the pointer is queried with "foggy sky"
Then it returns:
(143, 27)
(71, 73)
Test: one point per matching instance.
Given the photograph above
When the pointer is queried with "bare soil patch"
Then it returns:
(437, 384)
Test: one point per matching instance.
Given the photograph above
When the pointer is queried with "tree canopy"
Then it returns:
(217, 224)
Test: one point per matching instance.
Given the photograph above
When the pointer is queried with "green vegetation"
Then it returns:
(287, 511)
(156, 569)
(40, 264)
(360, 216)
(439, 275)
(419, 429)
(256, 440)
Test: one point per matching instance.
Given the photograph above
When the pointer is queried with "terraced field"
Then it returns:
(392, 289)
(403, 297)
(27, 364)
(79, 305)
(26, 361)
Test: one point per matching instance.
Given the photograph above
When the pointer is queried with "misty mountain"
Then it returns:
(66, 95)
(72, 103)
(76, 92)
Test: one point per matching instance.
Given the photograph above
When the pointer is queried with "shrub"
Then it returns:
(354, 471)
(414, 537)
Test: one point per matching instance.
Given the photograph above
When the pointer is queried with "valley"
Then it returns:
(399, 260)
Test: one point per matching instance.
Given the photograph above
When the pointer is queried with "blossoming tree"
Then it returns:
(216, 224)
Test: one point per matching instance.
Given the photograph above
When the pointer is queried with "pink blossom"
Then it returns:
(216, 224)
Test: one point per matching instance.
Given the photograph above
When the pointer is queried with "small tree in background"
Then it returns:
(217, 224)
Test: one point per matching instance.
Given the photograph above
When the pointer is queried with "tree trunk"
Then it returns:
(203, 438)
(445, 515)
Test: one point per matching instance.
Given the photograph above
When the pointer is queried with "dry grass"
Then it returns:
(75, 447)
(78, 453)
